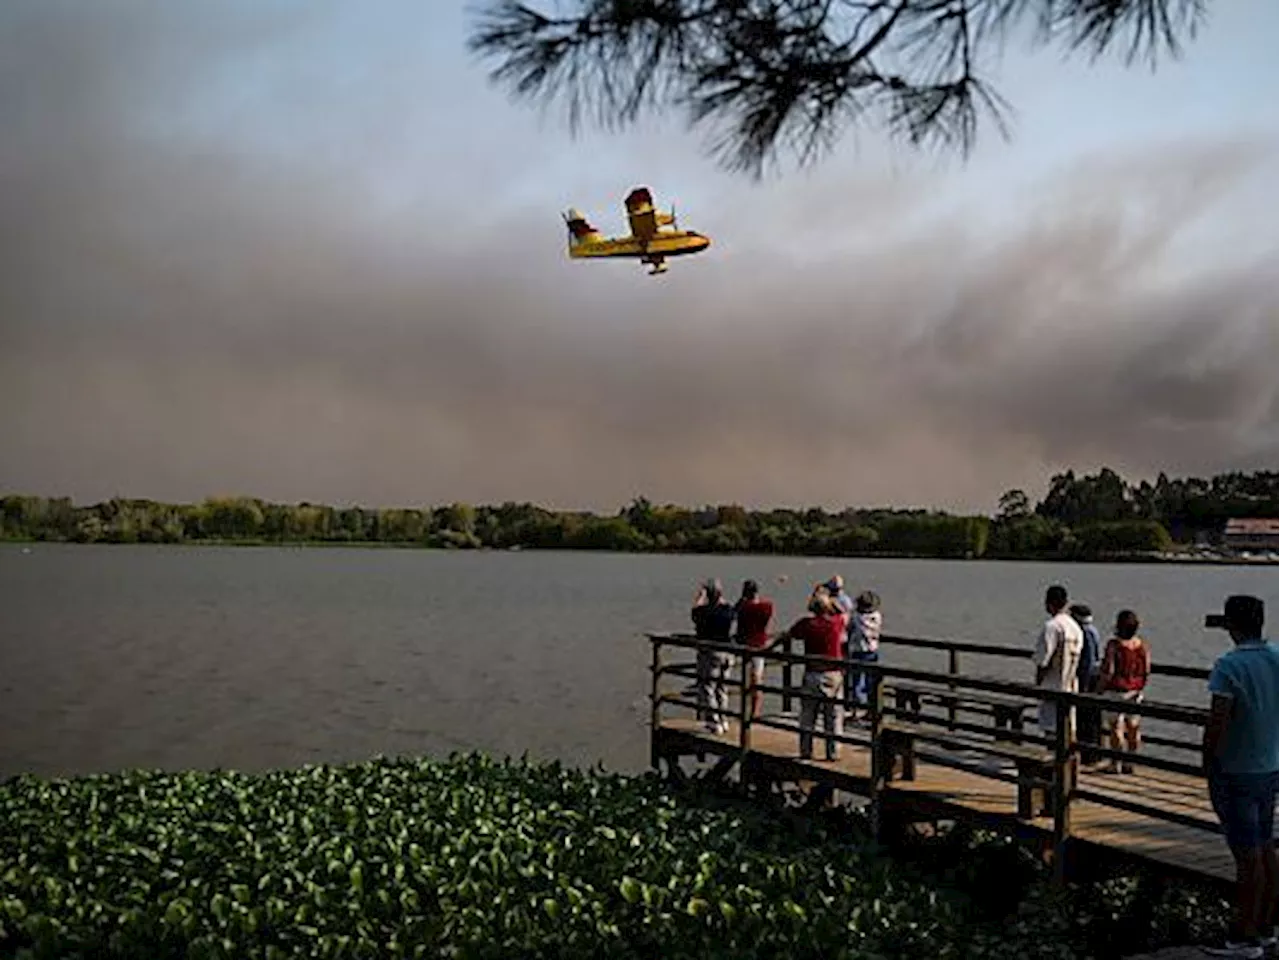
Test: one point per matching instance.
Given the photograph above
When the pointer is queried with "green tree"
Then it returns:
(937, 535)
(606, 533)
(459, 517)
(232, 518)
(1029, 536)
(1013, 505)
(1080, 517)
(1103, 498)
(768, 75)
(1122, 538)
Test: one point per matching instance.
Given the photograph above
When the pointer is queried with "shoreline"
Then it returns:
(1137, 558)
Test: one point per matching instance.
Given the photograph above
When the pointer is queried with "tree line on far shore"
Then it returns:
(1087, 517)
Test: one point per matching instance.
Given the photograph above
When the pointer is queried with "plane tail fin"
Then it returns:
(580, 231)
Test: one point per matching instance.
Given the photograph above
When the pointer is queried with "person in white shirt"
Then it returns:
(863, 647)
(1057, 655)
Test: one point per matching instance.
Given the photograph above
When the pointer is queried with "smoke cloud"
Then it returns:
(193, 301)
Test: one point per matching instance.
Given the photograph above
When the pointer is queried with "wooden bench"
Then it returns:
(1034, 763)
(1007, 712)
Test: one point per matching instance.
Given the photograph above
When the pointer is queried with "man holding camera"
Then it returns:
(1242, 765)
(713, 618)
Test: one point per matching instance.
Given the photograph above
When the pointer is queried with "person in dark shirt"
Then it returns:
(713, 618)
(1089, 719)
(754, 615)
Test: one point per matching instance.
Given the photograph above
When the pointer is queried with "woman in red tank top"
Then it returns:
(1126, 664)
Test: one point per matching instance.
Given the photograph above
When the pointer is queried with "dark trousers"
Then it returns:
(1089, 731)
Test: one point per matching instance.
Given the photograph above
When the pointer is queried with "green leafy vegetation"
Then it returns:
(477, 858)
(1080, 518)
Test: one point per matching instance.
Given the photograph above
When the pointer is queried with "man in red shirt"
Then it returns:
(823, 633)
(754, 615)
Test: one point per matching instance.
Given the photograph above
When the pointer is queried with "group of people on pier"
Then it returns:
(1241, 744)
(835, 625)
(1069, 655)
(1240, 752)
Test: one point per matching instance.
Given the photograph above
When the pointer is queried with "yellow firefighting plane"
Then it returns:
(654, 235)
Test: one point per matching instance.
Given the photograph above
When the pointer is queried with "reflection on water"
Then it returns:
(175, 657)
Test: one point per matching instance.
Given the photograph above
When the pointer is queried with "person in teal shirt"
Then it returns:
(1242, 765)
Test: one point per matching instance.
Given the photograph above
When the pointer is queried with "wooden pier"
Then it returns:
(948, 747)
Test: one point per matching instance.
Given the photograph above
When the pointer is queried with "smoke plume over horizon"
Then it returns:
(201, 295)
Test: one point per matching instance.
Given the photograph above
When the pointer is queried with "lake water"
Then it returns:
(178, 657)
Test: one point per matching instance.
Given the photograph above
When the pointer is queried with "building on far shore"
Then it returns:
(1253, 534)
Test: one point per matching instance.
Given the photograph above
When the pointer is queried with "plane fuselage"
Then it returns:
(652, 240)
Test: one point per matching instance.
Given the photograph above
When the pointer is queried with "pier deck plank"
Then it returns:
(1143, 836)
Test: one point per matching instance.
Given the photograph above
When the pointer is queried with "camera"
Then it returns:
(1215, 621)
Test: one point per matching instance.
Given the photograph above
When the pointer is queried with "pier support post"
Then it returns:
(953, 668)
(1064, 782)
(881, 764)
(655, 669)
(786, 679)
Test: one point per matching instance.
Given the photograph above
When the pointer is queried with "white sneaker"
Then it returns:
(1236, 951)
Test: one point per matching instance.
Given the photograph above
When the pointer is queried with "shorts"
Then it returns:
(1246, 805)
(1111, 717)
(757, 668)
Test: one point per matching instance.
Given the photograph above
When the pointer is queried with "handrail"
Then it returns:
(997, 650)
(1060, 746)
(1021, 653)
(1161, 711)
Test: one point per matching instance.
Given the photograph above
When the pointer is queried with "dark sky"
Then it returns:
(267, 250)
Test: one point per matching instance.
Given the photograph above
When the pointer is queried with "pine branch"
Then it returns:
(770, 75)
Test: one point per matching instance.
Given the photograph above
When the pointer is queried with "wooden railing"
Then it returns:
(1045, 765)
(954, 650)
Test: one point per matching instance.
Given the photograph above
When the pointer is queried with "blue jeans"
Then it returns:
(858, 685)
(1246, 805)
